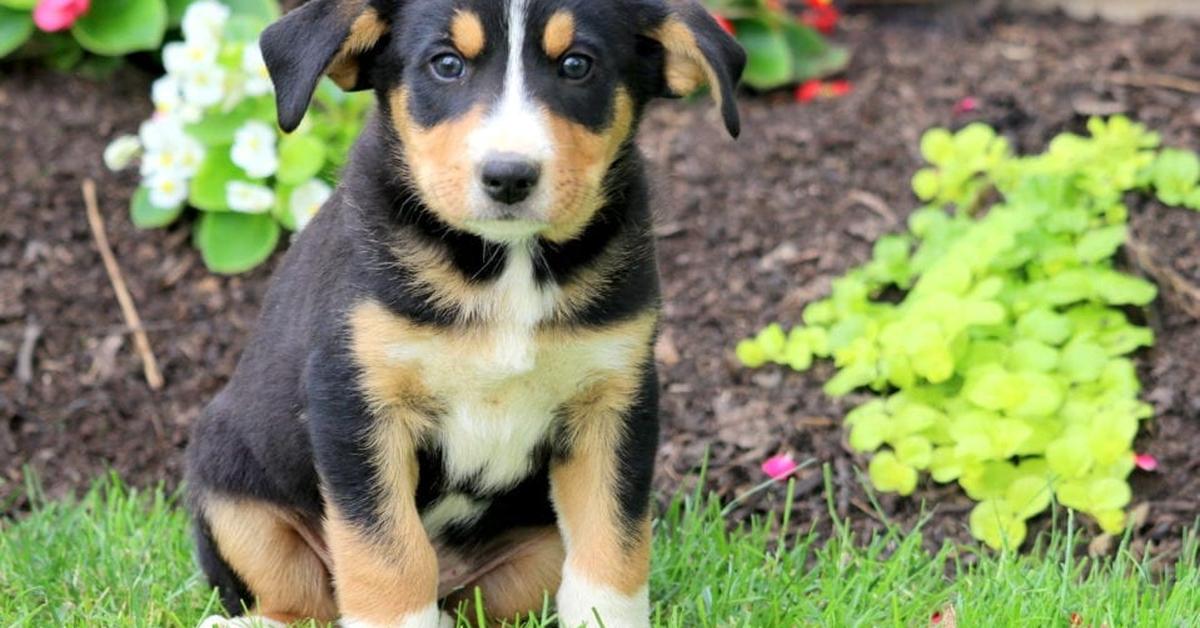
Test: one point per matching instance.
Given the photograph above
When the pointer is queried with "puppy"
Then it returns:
(452, 383)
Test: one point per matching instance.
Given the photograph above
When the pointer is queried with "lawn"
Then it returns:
(122, 557)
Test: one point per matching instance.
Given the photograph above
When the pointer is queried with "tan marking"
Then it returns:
(581, 161)
(365, 31)
(435, 158)
(382, 579)
(584, 486)
(466, 32)
(560, 34)
(687, 69)
(520, 583)
(273, 552)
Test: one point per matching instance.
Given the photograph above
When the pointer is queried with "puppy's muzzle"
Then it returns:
(510, 178)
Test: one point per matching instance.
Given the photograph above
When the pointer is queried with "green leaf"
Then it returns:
(1070, 456)
(1045, 326)
(220, 127)
(772, 341)
(1101, 244)
(175, 11)
(1117, 288)
(232, 243)
(769, 62)
(1175, 175)
(24, 6)
(1083, 361)
(119, 27)
(301, 158)
(996, 523)
(1029, 495)
(208, 186)
(890, 475)
(750, 354)
(146, 215)
(812, 55)
(266, 10)
(16, 27)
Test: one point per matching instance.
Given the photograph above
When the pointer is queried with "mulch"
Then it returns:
(749, 233)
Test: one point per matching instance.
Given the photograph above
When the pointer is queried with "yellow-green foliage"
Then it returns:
(1004, 367)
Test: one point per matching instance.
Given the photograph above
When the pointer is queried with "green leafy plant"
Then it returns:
(213, 143)
(1004, 365)
(63, 31)
(781, 49)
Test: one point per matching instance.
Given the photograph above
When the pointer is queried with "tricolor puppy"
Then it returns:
(452, 385)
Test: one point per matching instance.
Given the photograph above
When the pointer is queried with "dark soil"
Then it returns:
(750, 232)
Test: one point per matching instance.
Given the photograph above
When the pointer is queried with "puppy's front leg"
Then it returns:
(601, 489)
(385, 569)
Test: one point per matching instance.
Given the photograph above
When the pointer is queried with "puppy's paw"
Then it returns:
(216, 621)
(580, 601)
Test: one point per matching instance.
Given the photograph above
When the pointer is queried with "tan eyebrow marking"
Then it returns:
(560, 34)
(466, 31)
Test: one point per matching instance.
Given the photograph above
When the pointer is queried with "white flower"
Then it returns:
(121, 152)
(169, 150)
(204, 86)
(307, 199)
(258, 80)
(167, 191)
(254, 149)
(167, 95)
(205, 20)
(249, 198)
(182, 58)
(160, 132)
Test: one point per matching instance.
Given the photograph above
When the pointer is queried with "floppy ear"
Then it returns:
(698, 53)
(321, 37)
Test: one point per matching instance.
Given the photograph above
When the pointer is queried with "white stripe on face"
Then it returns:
(517, 126)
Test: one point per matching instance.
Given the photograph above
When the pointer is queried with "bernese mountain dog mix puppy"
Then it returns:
(452, 383)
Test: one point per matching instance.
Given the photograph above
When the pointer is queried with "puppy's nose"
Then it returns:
(510, 179)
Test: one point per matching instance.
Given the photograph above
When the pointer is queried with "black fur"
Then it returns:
(292, 419)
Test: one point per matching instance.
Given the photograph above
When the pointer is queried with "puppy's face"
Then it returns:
(509, 114)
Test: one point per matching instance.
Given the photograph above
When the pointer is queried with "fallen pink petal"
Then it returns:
(1145, 462)
(780, 467)
(966, 105)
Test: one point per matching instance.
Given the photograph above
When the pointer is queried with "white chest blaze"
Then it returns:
(502, 382)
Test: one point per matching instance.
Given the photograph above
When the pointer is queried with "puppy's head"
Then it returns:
(510, 113)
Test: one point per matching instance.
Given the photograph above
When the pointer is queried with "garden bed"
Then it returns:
(750, 232)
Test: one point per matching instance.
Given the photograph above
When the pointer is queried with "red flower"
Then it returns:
(839, 88)
(780, 467)
(808, 91)
(725, 24)
(1145, 462)
(822, 16)
(1076, 619)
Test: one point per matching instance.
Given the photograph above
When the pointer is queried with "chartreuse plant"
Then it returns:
(213, 144)
(1004, 366)
(781, 50)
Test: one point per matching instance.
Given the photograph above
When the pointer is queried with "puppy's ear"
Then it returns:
(698, 53)
(320, 37)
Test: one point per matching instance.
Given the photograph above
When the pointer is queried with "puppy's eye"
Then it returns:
(448, 66)
(576, 67)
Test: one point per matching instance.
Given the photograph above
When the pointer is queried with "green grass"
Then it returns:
(119, 557)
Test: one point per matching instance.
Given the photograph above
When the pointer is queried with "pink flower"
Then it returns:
(780, 467)
(1145, 462)
(59, 15)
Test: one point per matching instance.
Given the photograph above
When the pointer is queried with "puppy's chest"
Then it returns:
(500, 383)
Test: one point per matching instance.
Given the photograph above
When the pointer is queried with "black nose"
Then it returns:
(510, 179)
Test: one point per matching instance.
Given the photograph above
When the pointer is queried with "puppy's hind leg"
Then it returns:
(263, 559)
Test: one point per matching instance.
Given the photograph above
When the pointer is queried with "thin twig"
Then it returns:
(33, 332)
(149, 364)
(1187, 293)
(1156, 80)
